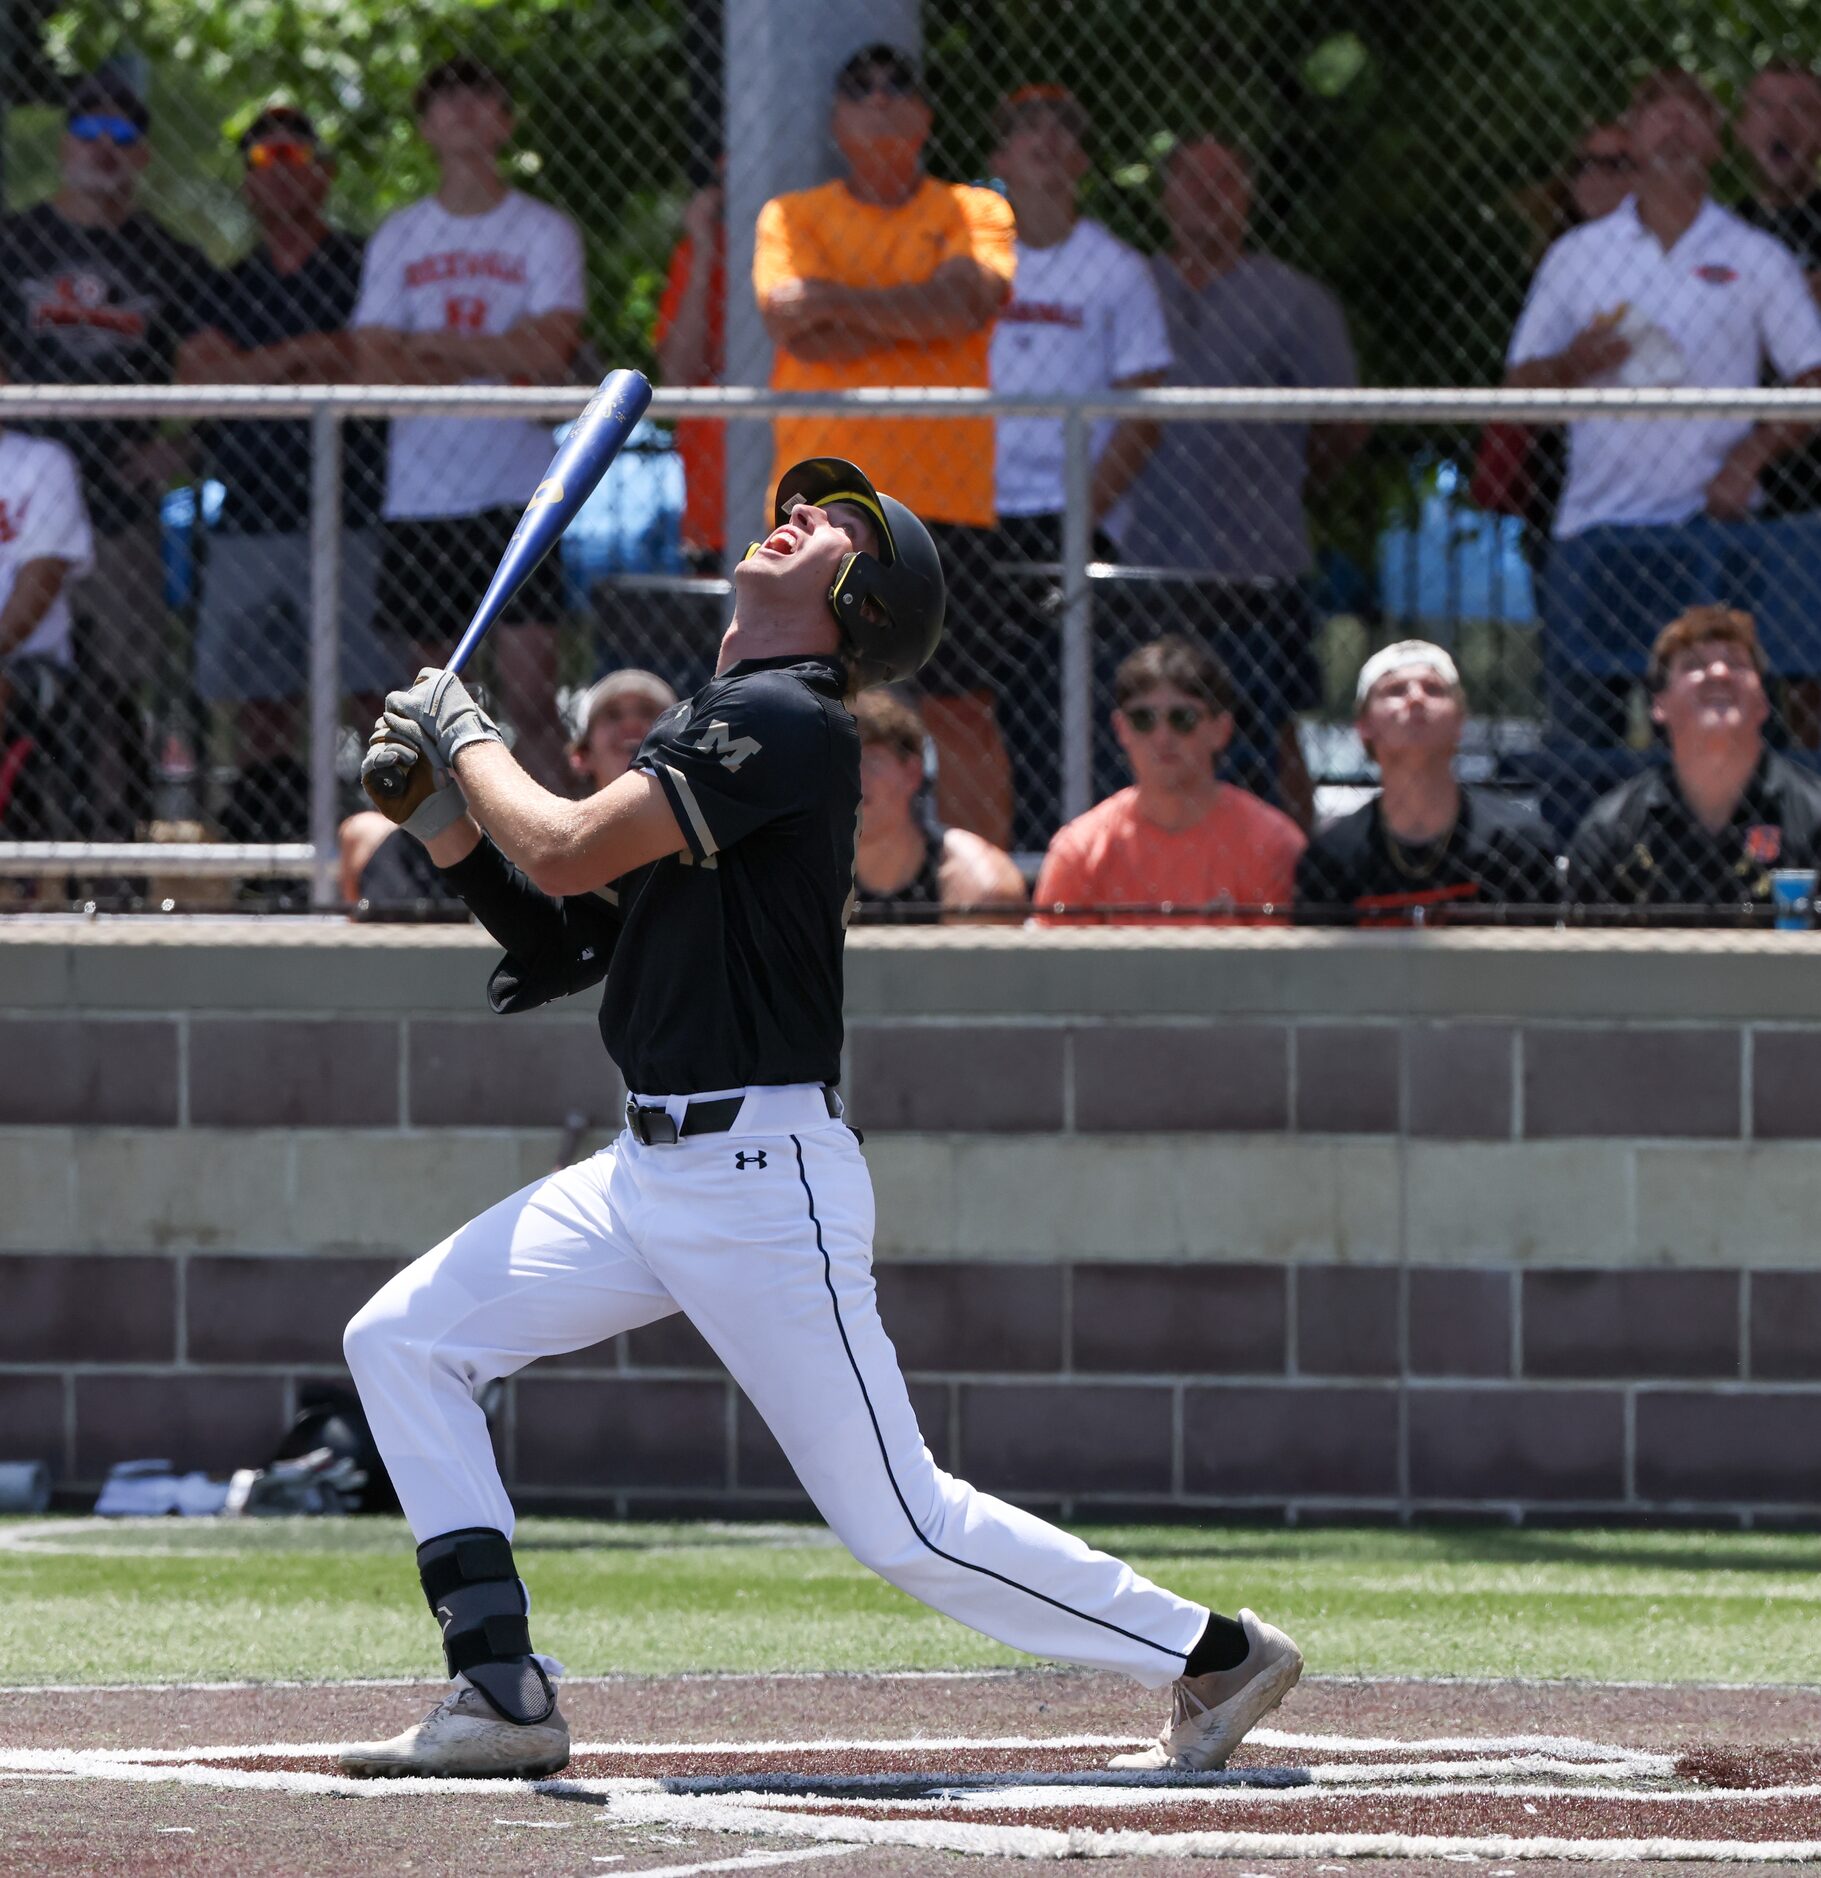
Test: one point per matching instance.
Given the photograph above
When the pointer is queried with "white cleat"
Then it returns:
(1211, 1715)
(464, 1737)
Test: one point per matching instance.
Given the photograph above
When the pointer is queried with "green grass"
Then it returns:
(200, 1600)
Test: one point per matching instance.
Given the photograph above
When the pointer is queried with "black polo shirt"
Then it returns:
(1642, 844)
(1355, 872)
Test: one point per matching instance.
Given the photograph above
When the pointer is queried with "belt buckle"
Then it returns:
(651, 1127)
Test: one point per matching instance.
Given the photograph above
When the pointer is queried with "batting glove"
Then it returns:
(442, 708)
(390, 749)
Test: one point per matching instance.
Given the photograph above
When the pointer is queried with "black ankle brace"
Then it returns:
(473, 1590)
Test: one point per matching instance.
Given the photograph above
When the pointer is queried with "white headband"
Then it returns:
(1395, 658)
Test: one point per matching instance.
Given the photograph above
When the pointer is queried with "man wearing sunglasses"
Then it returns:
(282, 318)
(94, 291)
(887, 276)
(1180, 842)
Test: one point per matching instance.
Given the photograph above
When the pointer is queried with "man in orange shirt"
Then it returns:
(888, 277)
(691, 341)
(1179, 837)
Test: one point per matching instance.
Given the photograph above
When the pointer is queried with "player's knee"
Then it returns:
(371, 1337)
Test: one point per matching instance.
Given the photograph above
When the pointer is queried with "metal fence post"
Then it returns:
(1077, 674)
(325, 646)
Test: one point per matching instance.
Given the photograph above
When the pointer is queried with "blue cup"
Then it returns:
(1793, 891)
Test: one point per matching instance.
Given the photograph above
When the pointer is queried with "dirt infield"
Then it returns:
(908, 1775)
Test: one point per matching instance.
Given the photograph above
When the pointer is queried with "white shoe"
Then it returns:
(1211, 1715)
(465, 1737)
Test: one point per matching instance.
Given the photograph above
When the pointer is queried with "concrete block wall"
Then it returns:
(1300, 1224)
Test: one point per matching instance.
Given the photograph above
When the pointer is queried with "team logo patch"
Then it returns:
(1716, 274)
(1763, 843)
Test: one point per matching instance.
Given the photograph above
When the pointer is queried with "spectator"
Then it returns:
(1218, 508)
(1708, 829)
(613, 717)
(1669, 289)
(905, 858)
(691, 340)
(1083, 317)
(282, 317)
(1425, 842)
(888, 277)
(94, 291)
(477, 284)
(45, 544)
(1179, 837)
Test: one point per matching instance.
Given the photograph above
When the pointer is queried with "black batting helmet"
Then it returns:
(893, 637)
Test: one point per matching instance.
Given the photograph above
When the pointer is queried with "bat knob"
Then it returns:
(397, 790)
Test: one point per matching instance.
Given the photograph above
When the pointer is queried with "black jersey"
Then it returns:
(1355, 872)
(1641, 844)
(728, 969)
(723, 963)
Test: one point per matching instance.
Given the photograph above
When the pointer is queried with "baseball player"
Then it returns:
(709, 887)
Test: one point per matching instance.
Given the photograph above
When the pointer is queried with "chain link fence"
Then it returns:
(1051, 204)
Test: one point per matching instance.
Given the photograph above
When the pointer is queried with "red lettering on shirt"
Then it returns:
(433, 269)
(1717, 275)
(12, 517)
(80, 300)
(1043, 313)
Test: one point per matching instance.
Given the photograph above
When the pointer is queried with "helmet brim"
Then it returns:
(823, 480)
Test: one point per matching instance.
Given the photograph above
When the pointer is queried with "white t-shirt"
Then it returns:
(1083, 316)
(42, 515)
(1708, 312)
(429, 271)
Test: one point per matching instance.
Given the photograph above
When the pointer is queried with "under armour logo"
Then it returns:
(755, 1159)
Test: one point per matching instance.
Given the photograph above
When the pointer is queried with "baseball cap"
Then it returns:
(630, 680)
(279, 121)
(1012, 110)
(1395, 657)
(879, 60)
(103, 95)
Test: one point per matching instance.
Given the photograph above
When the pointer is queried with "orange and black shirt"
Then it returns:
(1356, 872)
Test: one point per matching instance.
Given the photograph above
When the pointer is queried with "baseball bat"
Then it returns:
(594, 440)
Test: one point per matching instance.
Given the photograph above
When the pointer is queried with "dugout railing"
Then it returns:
(328, 409)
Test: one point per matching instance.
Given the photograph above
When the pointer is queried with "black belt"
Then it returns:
(653, 1127)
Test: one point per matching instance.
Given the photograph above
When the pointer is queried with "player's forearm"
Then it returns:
(34, 592)
(533, 828)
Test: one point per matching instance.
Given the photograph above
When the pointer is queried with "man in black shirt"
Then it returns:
(736, 1193)
(93, 291)
(1711, 827)
(1426, 842)
(281, 316)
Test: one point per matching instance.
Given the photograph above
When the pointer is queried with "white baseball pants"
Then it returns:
(763, 1237)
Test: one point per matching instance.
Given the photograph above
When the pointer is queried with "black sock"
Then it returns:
(1222, 1645)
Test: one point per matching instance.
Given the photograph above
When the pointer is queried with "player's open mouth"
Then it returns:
(783, 540)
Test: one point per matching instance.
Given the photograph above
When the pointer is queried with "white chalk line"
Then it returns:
(1287, 1793)
(636, 1801)
(747, 1861)
(1568, 1748)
